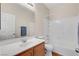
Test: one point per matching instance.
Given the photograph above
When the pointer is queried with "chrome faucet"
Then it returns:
(23, 40)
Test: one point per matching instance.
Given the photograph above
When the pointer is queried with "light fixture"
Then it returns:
(30, 6)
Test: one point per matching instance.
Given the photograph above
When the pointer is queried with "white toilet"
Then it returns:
(48, 46)
(49, 49)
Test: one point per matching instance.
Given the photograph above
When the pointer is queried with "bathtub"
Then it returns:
(66, 51)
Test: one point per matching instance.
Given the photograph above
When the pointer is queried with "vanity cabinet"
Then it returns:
(38, 50)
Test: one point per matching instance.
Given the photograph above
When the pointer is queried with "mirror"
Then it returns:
(14, 19)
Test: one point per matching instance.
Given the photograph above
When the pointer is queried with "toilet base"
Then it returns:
(48, 49)
(48, 53)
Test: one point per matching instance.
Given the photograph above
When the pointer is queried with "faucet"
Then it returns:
(24, 40)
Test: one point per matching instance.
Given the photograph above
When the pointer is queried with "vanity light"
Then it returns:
(30, 6)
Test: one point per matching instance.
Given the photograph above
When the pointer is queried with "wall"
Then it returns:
(78, 8)
(24, 17)
(63, 10)
(40, 14)
(0, 15)
(63, 26)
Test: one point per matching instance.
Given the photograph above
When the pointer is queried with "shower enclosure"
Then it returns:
(64, 35)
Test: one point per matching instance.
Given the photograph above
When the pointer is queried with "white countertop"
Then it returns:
(17, 47)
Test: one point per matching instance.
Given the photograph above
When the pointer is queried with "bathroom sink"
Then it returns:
(24, 44)
(13, 48)
(18, 46)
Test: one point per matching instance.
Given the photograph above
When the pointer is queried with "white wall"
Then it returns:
(63, 26)
(40, 14)
(64, 10)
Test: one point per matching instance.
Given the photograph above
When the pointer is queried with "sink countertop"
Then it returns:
(17, 47)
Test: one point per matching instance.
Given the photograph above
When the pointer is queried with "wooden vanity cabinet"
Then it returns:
(38, 50)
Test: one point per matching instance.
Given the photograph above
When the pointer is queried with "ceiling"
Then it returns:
(50, 6)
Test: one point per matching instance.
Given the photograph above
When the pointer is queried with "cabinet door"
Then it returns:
(39, 50)
(27, 53)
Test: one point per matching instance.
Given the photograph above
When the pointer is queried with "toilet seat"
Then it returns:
(49, 49)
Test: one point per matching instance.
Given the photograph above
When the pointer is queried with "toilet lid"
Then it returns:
(49, 47)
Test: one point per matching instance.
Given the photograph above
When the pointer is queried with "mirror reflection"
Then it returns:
(16, 21)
